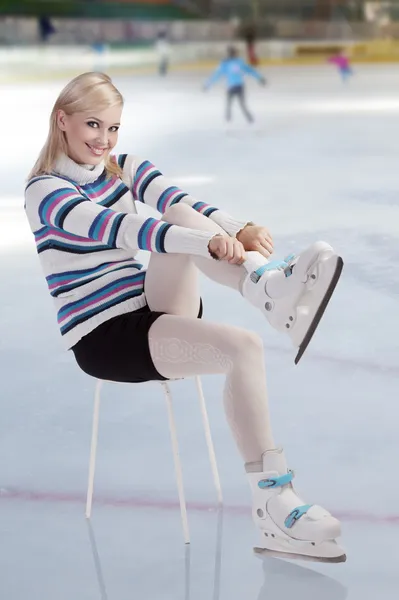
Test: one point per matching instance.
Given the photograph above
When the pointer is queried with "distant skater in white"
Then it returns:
(124, 323)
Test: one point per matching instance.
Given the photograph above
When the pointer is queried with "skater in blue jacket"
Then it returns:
(234, 69)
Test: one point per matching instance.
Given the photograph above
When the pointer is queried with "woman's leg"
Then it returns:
(185, 347)
(181, 346)
(292, 294)
(171, 283)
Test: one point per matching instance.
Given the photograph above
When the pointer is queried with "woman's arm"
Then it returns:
(149, 186)
(56, 203)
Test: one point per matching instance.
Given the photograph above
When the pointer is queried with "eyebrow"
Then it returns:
(102, 122)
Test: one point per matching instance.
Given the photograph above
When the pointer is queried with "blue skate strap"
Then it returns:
(296, 514)
(270, 266)
(273, 482)
(275, 264)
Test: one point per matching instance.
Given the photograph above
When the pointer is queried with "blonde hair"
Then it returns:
(87, 92)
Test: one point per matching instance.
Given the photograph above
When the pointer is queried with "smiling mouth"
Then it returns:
(96, 151)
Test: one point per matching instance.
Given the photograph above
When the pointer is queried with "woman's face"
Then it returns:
(90, 136)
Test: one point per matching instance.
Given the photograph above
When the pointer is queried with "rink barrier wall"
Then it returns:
(48, 61)
(25, 30)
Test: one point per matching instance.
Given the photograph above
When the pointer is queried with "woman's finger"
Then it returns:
(265, 234)
(269, 239)
(237, 253)
(240, 252)
(267, 246)
(243, 254)
(229, 250)
(262, 250)
(226, 249)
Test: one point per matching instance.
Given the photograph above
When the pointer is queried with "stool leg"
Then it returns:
(176, 458)
(93, 449)
(208, 437)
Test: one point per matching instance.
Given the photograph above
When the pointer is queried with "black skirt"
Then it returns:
(118, 349)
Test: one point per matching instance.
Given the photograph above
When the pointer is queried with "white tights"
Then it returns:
(182, 345)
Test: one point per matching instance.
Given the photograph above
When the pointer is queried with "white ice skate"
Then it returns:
(289, 527)
(293, 293)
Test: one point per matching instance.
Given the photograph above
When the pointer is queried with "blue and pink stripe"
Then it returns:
(101, 299)
(59, 283)
(152, 234)
(51, 238)
(101, 187)
(145, 174)
(172, 195)
(113, 197)
(51, 209)
(46, 231)
(100, 223)
(204, 209)
(121, 159)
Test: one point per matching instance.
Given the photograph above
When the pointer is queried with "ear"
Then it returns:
(61, 119)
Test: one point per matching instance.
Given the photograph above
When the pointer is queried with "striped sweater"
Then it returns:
(87, 232)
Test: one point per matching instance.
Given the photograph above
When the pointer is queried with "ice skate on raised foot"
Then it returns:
(290, 528)
(293, 293)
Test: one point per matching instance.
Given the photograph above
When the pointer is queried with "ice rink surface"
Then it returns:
(321, 162)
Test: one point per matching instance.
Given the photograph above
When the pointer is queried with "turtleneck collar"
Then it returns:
(81, 174)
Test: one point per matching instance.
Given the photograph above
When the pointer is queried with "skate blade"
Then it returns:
(320, 311)
(263, 552)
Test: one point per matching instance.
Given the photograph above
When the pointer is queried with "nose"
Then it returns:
(103, 136)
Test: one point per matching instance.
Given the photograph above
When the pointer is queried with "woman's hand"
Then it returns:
(256, 237)
(224, 247)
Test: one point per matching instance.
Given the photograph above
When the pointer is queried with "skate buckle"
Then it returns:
(288, 271)
(254, 277)
(296, 514)
(289, 259)
(272, 482)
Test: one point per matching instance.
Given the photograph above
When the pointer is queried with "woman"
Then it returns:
(126, 324)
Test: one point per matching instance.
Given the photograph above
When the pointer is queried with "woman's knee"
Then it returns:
(183, 215)
(245, 344)
(179, 214)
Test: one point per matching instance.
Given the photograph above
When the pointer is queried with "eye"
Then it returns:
(114, 128)
(93, 124)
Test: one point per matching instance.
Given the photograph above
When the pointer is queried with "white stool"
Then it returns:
(175, 449)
